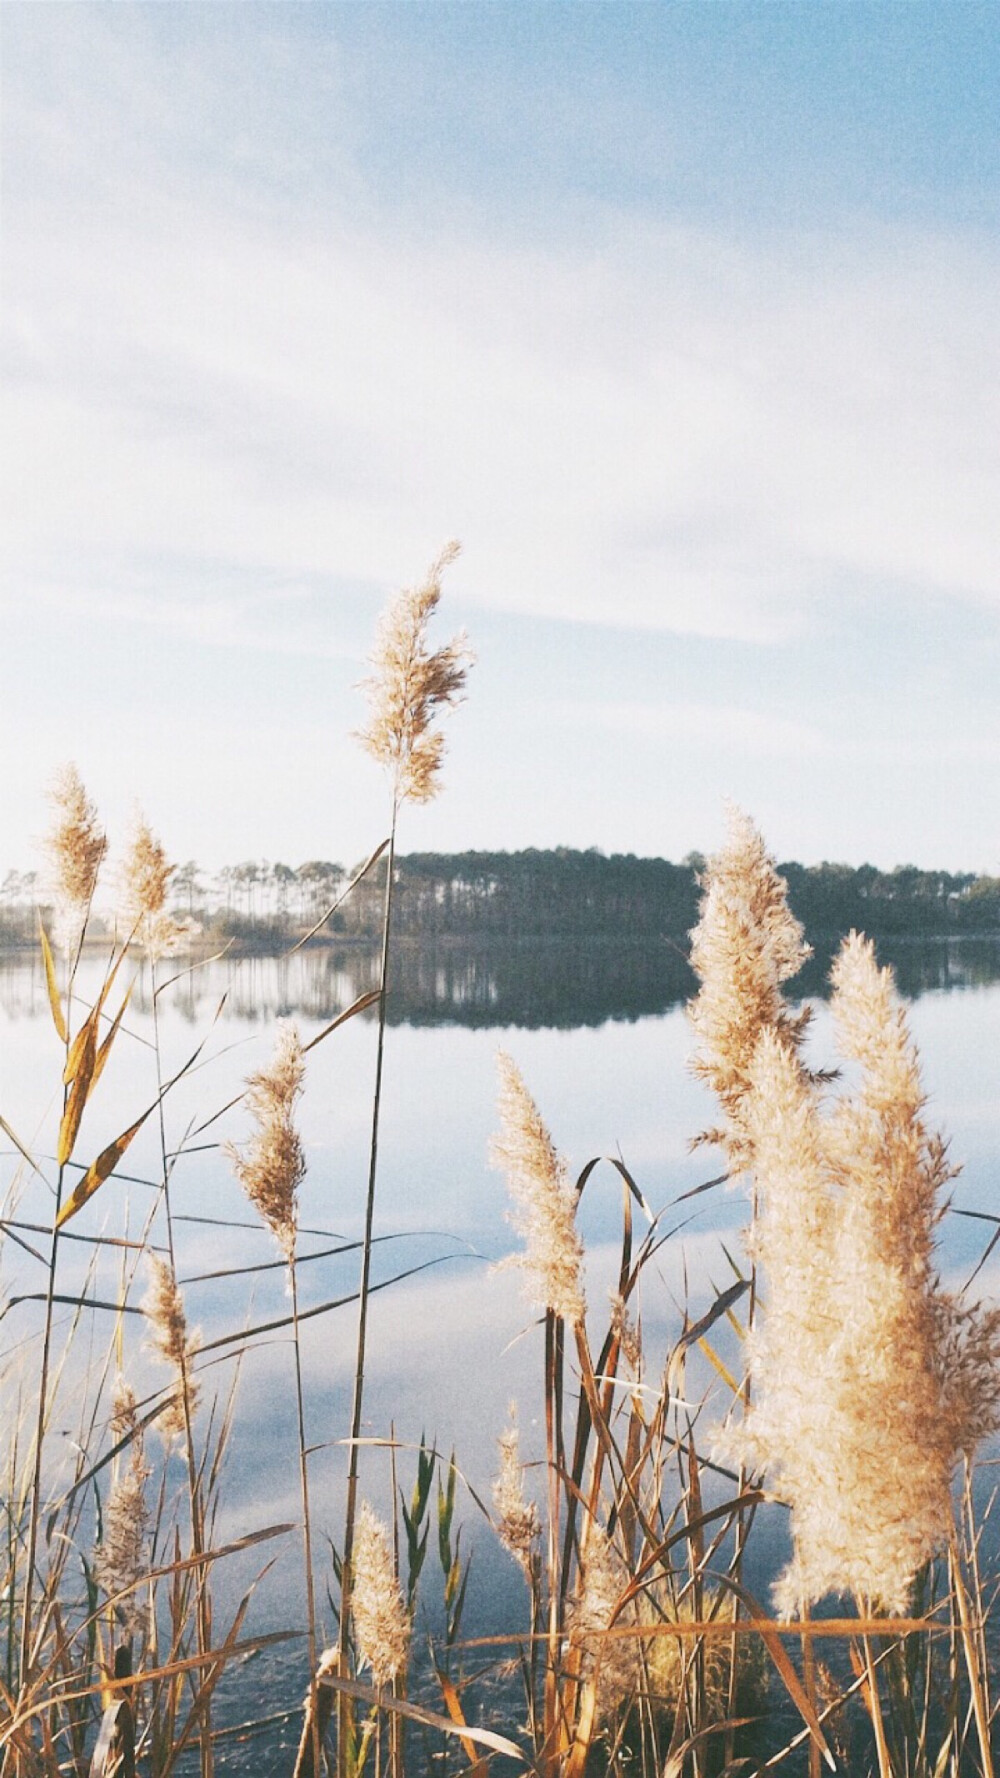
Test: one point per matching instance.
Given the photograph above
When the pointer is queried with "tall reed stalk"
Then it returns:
(76, 847)
(145, 881)
(203, 1609)
(410, 684)
(270, 1168)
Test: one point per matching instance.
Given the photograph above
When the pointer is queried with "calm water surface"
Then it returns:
(603, 1043)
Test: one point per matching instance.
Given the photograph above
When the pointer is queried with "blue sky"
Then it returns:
(683, 317)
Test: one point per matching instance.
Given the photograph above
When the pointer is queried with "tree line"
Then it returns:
(558, 894)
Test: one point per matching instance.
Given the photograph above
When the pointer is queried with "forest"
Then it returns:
(533, 894)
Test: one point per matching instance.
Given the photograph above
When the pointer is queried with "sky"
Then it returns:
(682, 317)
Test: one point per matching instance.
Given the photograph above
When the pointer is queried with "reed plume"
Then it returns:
(271, 1166)
(119, 1557)
(164, 1309)
(410, 685)
(612, 1663)
(869, 1378)
(518, 1524)
(144, 881)
(793, 1427)
(923, 1369)
(544, 1202)
(75, 846)
(746, 945)
(381, 1623)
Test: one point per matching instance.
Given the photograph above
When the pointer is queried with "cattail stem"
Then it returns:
(350, 1512)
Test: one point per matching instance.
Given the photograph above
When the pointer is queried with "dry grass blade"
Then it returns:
(104, 1050)
(83, 1067)
(384, 1700)
(360, 1005)
(338, 1302)
(24, 1152)
(100, 1170)
(106, 1162)
(674, 1767)
(790, 1679)
(453, 1704)
(979, 1705)
(114, 1754)
(166, 1670)
(192, 968)
(55, 1000)
(693, 1335)
(342, 897)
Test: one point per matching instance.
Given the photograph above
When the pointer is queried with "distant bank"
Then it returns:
(486, 897)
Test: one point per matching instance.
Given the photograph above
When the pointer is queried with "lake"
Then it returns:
(603, 1043)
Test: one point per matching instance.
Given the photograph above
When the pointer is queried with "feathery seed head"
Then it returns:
(627, 1333)
(381, 1623)
(746, 944)
(869, 1378)
(75, 846)
(164, 1309)
(518, 1523)
(613, 1661)
(271, 1166)
(409, 685)
(119, 1555)
(145, 880)
(543, 1200)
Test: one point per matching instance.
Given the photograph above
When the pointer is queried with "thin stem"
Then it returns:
(36, 1478)
(553, 1415)
(43, 1383)
(306, 1519)
(363, 1293)
(203, 1612)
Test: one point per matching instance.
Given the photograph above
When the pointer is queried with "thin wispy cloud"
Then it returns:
(673, 432)
(722, 726)
(285, 307)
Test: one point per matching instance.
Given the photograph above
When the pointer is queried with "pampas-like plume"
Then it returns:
(613, 1662)
(518, 1524)
(410, 685)
(381, 1623)
(164, 1309)
(75, 845)
(869, 1378)
(544, 1202)
(119, 1555)
(746, 944)
(920, 1367)
(145, 880)
(271, 1166)
(793, 1427)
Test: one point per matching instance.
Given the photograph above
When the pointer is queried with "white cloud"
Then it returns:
(670, 433)
(725, 727)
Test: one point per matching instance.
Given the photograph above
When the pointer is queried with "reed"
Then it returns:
(832, 1373)
(409, 686)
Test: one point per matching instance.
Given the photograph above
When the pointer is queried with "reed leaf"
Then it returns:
(100, 1170)
(104, 1050)
(384, 1700)
(55, 999)
(85, 1046)
(693, 1335)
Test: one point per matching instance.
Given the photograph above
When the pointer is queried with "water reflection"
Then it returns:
(532, 984)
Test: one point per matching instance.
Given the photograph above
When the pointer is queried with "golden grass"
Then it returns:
(641, 1647)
